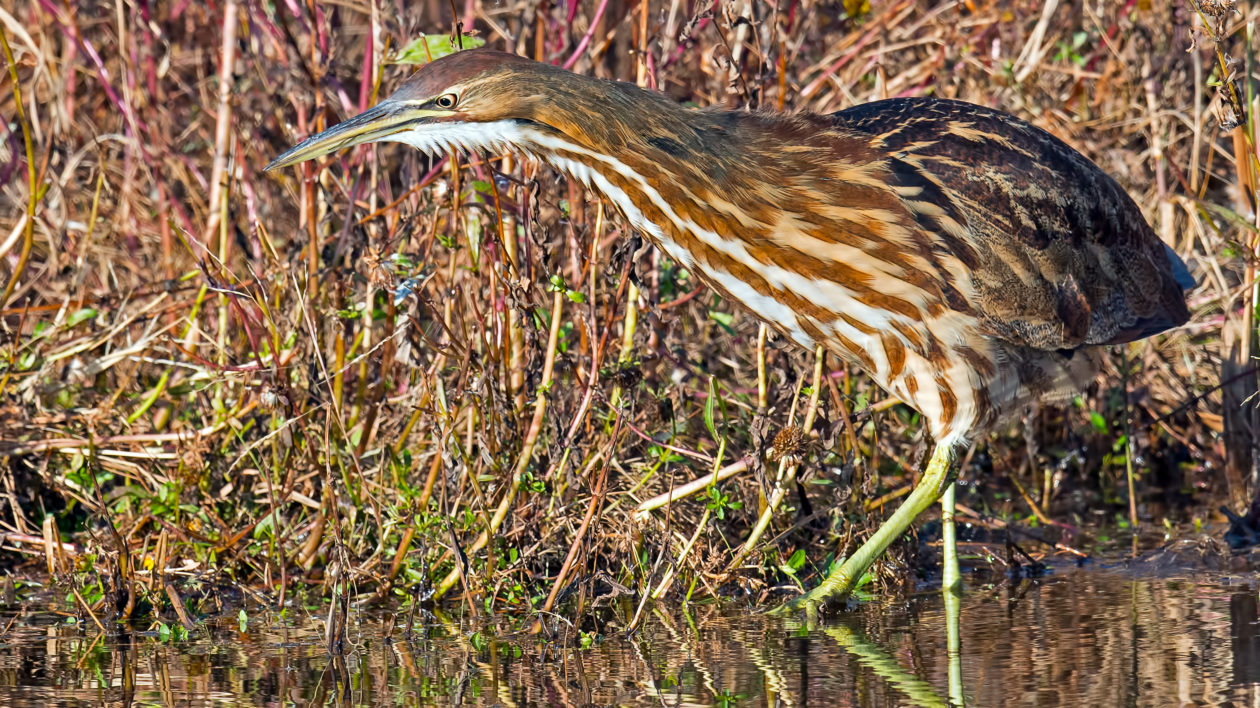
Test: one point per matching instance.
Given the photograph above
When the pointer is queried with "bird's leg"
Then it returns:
(843, 580)
(951, 577)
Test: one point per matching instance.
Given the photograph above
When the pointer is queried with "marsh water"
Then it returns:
(1117, 634)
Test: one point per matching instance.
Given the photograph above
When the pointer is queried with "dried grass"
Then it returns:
(337, 382)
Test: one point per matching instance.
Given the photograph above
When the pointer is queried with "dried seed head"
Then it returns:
(787, 443)
(1219, 9)
(272, 398)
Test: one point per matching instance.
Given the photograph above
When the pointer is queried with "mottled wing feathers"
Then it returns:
(1057, 253)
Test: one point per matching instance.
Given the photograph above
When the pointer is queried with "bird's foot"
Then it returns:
(830, 594)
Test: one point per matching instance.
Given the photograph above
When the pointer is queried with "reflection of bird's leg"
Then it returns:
(951, 589)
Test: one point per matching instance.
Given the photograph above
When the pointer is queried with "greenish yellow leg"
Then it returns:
(951, 577)
(841, 582)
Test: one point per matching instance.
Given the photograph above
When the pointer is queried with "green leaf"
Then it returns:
(266, 526)
(482, 188)
(402, 261)
(80, 316)
(1098, 421)
(724, 320)
(242, 620)
(710, 405)
(1239, 220)
(665, 455)
(861, 403)
(473, 225)
(26, 362)
(428, 47)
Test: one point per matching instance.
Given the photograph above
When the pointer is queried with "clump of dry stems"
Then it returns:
(385, 377)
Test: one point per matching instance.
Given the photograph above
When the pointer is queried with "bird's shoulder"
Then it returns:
(1057, 253)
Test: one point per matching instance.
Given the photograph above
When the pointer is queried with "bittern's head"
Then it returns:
(489, 100)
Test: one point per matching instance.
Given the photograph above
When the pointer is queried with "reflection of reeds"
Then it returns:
(264, 370)
(1178, 654)
(1085, 638)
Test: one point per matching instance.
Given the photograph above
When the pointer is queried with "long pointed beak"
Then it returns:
(376, 123)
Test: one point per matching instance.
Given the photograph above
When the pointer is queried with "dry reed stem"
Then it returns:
(27, 225)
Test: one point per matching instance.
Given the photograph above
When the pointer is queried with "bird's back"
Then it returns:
(1059, 256)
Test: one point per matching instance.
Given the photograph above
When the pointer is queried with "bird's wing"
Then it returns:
(1058, 255)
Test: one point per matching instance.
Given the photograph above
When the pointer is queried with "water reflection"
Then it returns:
(1079, 638)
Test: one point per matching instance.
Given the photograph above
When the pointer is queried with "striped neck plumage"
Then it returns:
(624, 175)
(520, 137)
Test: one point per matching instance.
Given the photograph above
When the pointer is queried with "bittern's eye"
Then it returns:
(446, 101)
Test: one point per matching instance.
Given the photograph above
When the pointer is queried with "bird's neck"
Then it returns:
(782, 214)
(680, 181)
(650, 176)
(669, 169)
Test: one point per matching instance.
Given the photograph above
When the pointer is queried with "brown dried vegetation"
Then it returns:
(379, 376)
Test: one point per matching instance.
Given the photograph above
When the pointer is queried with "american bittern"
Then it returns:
(969, 262)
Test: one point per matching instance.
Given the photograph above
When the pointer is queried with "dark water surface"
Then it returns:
(1085, 637)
